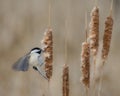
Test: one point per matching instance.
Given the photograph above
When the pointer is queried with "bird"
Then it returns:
(34, 58)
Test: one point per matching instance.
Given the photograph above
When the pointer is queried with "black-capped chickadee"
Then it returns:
(34, 58)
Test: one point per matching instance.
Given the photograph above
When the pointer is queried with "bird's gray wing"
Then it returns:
(22, 64)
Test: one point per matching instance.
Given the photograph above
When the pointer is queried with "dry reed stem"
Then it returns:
(48, 52)
(66, 81)
(94, 31)
(85, 67)
(107, 37)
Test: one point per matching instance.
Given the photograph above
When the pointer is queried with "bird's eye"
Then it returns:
(39, 51)
(35, 68)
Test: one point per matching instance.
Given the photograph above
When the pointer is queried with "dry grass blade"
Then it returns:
(94, 31)
(48, 52)
(85, 60)
(107, 37)
(66, 81)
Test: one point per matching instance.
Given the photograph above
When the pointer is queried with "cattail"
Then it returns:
(65, 81)
(48, 52)
(85, 60)
(106, 46)
(107, 37)
(94, 31)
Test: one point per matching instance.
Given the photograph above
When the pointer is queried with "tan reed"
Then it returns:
(85, 67)
(65, 80)
(48, 51)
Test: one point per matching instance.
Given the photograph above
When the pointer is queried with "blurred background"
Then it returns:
(22, 25)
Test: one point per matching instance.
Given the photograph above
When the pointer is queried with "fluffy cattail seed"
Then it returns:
(65, 81)
(48, 52)
(107, 37)
(85, 67)
(94, 31)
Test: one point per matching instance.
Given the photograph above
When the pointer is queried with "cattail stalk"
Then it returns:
(94, 39)
(65, 80)
(85, 61)
(65, 74)
(49, 13)
(106, 46)
(85, 67)
(48, 52)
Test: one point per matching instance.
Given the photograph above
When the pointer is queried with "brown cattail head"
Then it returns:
(107, 37)
(94, 31)
(48, 52)
(85, 67)
(66, 81)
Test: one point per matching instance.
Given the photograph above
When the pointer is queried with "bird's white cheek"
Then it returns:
(33, 60)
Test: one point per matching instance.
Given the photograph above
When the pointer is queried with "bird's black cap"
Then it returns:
(38, 50)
